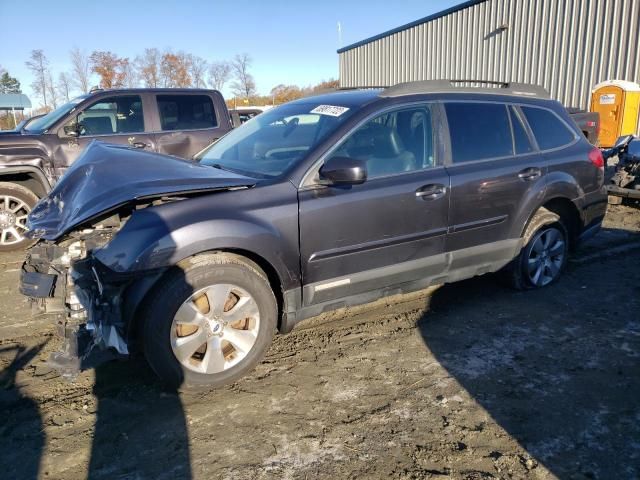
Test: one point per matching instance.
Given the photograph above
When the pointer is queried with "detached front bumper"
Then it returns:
(64, 282)
(623, 192)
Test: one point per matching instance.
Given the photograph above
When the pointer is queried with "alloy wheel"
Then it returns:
(546, 256)
(215, 328)
(13, 220)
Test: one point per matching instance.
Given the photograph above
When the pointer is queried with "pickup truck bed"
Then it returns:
(588, 122)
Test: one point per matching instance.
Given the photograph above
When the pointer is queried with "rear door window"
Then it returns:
(113, 115)
(520, 138)
(549, 130)
(478, 131)
(186, 112)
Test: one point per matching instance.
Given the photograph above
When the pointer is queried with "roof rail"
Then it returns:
(365, 87)
(470, 86)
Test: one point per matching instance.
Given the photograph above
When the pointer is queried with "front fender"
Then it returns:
(161, 236)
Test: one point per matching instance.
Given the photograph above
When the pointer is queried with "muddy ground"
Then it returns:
(471, 380)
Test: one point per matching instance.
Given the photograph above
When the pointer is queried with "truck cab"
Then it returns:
(177, 122)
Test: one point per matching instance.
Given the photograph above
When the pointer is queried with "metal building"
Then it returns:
(567, 46)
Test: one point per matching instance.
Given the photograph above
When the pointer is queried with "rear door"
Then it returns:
(495, 170)
(188, 122)
(387, 231)
(559, 144)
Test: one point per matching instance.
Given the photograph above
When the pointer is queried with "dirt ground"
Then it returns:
(470, 380)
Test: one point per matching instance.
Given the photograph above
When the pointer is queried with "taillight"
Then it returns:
(595, 156)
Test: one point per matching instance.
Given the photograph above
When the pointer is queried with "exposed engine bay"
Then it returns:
(63, 280)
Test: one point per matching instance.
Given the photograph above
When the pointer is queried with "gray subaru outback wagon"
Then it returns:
(321, 203)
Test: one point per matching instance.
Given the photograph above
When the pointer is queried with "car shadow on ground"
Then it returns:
(21, 422)
(140, 424)
(556, 368)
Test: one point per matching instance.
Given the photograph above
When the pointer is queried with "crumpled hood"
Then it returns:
(105, 177)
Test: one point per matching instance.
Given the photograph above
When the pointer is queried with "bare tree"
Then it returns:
(64, 86)
(148, 66)
(81, 69)
(219, 73)
(39, 66)
(244, 84)
(130, 72)
(52, 91)
(198, 70)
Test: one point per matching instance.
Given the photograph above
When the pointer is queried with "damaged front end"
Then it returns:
(83, 297)
(103, 207)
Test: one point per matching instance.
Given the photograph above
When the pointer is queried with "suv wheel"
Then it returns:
(210, 321)
(544, 255)
(16, 203)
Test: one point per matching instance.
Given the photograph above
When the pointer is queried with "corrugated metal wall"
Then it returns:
(567, 46)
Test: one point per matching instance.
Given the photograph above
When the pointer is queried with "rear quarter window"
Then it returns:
(186, 112)
(549, 130)
(479, 131)
(520, 137)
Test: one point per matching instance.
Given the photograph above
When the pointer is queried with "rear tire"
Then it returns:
(16, 202)
(209, 321)
(544, 254)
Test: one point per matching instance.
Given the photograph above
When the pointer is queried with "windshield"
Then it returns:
(268, 144)
(44, 123)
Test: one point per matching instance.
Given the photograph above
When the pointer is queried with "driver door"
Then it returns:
(387, 232)
(117, 119)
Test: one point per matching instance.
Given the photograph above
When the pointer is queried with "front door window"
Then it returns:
(110, 116)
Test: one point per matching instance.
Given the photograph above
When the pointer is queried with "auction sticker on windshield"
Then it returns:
(331, 110)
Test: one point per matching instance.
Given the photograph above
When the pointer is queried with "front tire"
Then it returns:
(209, 321)
(544, 255)
(16, 202)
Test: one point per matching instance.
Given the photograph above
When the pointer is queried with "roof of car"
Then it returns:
(357, 97)
(156, 90)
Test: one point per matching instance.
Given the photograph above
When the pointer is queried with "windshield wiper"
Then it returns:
(221, 167)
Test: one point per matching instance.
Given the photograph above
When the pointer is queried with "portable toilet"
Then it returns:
(618, 103)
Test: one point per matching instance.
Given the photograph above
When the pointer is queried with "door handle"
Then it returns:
(432, 191)
(529, 173)
(139, 145)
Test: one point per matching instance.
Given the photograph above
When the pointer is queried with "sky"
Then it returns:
(290, 42)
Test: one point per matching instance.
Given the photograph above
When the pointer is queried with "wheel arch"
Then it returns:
(31, 178)
(568, 212)
(138, 293)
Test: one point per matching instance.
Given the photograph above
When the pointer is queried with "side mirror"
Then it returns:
(70, 131)
(344, 171)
